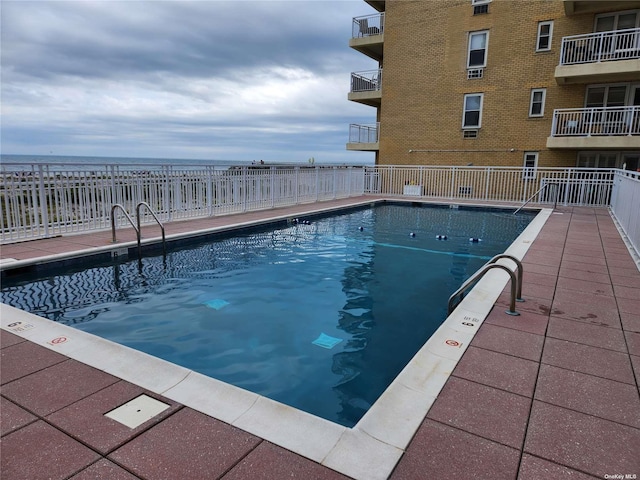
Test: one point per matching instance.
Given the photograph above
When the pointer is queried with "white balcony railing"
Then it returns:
(369, 81)
(363, 133)
(368, 25)
(585, 122)
(601, 47)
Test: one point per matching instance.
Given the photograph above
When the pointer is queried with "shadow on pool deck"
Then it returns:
(551, 393)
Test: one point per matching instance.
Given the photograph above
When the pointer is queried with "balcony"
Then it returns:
(578, 7)
(367, 35)
(600, 57)
(596, 128)
(366, 87)
(364, 137)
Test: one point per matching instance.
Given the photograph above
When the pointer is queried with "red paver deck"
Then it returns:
(552, 393)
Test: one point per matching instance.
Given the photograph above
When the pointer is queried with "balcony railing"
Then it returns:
(368, 25)
(601, 47)
(363, 133)
(369, 81)
(585, 122)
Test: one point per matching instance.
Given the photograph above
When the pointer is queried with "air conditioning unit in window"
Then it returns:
(470, 134)
(474, 73)
(480, 9)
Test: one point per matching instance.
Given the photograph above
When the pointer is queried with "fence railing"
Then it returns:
(625, 205)
(369, 81)
(367, 25)
(41, 201)
(47, 200)
(598, 121)
(575, 186)
(363, 133)
(601, 47)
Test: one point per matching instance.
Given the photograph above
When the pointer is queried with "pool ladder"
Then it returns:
(546, 185)
(516, 283)
(137, 227)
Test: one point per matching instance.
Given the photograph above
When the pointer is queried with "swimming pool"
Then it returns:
(359, 279)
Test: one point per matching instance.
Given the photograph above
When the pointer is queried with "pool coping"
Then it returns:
(369, 450)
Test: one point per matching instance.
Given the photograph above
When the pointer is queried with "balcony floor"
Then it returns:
(551, 393)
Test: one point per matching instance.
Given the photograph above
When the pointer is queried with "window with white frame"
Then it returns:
(472, 110)
(480, 6)
(477, 55)
(530, 165)
(617, 21)
(545, 32)
(536, 105)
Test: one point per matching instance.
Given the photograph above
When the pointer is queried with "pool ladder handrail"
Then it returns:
(114, 207)
(555, 202)
(516, 282)
(155, 217)
(136, 226)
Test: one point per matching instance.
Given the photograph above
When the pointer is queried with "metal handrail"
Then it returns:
(555, 203)
(136, 226)
(155, 217)
(519, 271)
(477, 276)
(113, 222)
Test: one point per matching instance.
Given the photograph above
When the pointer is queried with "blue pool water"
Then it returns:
(321, 317)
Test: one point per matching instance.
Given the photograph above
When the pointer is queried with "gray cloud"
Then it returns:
(203, 79)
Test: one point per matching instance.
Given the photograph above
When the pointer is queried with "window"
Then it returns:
(545, 32)
(480, 9)
(617, 21)
(536, 107)
(530, 165)
(477, 56)
(480, 2)
(472, 113)
(606, 96)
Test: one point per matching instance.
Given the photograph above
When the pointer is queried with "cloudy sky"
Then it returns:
(206, 79)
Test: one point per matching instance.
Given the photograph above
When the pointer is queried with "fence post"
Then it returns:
(168, 203)
(209, 190)
(243, 189)
(44, 210)
(453, 178)
(272, 179)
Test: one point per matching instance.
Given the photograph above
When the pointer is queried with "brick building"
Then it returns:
(500, 82)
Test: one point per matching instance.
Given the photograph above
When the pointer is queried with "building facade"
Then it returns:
(549, 83)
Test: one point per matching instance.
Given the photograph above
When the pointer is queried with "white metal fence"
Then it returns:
(567, 186)
(596, 121)
(46, 200)
(625, 204)
(601, 47)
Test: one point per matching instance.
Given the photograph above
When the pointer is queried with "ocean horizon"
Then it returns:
(22, 162)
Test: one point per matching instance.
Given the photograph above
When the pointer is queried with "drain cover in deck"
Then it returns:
(137, 411)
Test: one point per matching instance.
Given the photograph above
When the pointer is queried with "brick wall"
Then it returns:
(425, 79)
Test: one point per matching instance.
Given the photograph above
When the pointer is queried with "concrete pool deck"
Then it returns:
(550, 393)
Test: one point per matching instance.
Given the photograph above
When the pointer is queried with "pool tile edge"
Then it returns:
(366, 451)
